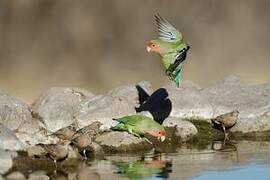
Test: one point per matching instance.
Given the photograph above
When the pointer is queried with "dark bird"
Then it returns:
(158, 103)
(226, 121)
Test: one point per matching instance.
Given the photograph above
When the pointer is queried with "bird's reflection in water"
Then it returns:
(223, 146)
(228, 149)
(147, 167)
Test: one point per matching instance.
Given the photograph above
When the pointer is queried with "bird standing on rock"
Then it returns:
(139, 125)
(83, 137)
(226, 121)
(171, 47)
(82, 142)
(57, 151)
(66, 133)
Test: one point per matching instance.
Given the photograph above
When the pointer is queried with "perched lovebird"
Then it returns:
(171, 47)
(139, 125)
(226, 121)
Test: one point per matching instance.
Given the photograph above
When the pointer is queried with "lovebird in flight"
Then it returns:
(140, 125)
(171, 47)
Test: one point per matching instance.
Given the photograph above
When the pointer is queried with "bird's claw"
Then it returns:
(226, 137)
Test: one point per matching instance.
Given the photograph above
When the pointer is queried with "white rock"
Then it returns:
(184, 129)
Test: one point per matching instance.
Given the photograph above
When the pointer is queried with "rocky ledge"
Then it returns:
(184, 111)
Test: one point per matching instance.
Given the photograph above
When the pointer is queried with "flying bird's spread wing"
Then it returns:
(166, 31)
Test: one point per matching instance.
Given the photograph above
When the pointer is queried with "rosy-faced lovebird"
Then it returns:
(140, 125)
(171, 47)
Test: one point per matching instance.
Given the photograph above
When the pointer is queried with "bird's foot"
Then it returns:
(84, 154)
(133, 133)
(226, 137)
(55, 164)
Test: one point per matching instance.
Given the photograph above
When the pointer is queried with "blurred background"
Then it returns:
(99, 45)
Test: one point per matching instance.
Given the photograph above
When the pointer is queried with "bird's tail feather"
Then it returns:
(118, 127)
(178, 78)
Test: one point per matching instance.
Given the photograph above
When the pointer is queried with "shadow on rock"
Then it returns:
(158, 103)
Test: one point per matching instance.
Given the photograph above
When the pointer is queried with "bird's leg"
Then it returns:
(55, 163)
(133, 133)
(225, 134)
(137, 135)
(84, 154)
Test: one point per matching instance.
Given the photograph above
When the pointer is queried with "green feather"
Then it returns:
(138, 124)
(173, 48)
(178, 79)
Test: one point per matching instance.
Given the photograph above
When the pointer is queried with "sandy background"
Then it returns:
(98, 45)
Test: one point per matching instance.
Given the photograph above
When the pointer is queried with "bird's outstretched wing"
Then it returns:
(166, 31)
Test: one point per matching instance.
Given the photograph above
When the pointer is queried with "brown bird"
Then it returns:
(91, 130)
(83, 143)
(83, 138)
(57, 151)
(66, 133)
(226, 121)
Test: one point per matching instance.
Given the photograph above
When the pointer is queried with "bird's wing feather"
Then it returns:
(129, 120)
(179, 58)
(166, 31)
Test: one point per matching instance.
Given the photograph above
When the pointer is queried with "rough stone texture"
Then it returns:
(36, 150)
(13, 112)
(130, 92)
(58, 105)
(117, 141)
(229, 94)
(15, 176)
(6, 160)
(253, 103)
(246, 125)
(184, 129)
(39, 175)
(103, 108)
(187, 102)
(17, 116)
(8, 140)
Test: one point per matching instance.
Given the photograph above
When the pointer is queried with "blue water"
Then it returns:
(217, 161)
(240, 160)
(252, 171)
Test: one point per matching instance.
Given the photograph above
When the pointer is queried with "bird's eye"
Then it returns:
(153, 45)
(161, 133)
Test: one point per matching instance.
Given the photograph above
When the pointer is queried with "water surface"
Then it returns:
(217, 160)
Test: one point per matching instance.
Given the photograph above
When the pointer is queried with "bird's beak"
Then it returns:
(161, 138)
(148, 49)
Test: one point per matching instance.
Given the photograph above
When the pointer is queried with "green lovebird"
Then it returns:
(139, 125)
(171, 47)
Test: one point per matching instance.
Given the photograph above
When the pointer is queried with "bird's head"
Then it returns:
(235, 113)
(160, 135)
(153, 46)
(157, 46)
